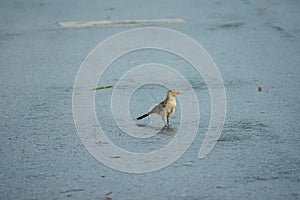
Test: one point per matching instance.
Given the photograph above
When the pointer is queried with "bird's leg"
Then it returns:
(168, 123)
(163, 118)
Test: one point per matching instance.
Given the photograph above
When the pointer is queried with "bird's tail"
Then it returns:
(143, 116)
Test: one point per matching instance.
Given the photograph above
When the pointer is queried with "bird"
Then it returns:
(165, 108)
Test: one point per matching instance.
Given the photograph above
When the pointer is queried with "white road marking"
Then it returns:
(79, 24)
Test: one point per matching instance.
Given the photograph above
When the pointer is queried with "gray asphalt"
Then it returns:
(254, 44)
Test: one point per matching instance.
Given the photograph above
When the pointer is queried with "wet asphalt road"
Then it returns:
(254, 44)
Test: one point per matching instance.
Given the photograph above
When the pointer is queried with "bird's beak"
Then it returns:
(178, 92)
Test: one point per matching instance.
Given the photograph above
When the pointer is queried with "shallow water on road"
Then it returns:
(254, 44)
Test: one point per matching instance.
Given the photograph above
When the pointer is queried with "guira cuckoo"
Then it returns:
(165, 108)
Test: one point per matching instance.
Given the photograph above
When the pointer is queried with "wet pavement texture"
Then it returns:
(253, 43)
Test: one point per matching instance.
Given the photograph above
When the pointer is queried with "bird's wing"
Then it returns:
(158, 108)
(163, 103)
